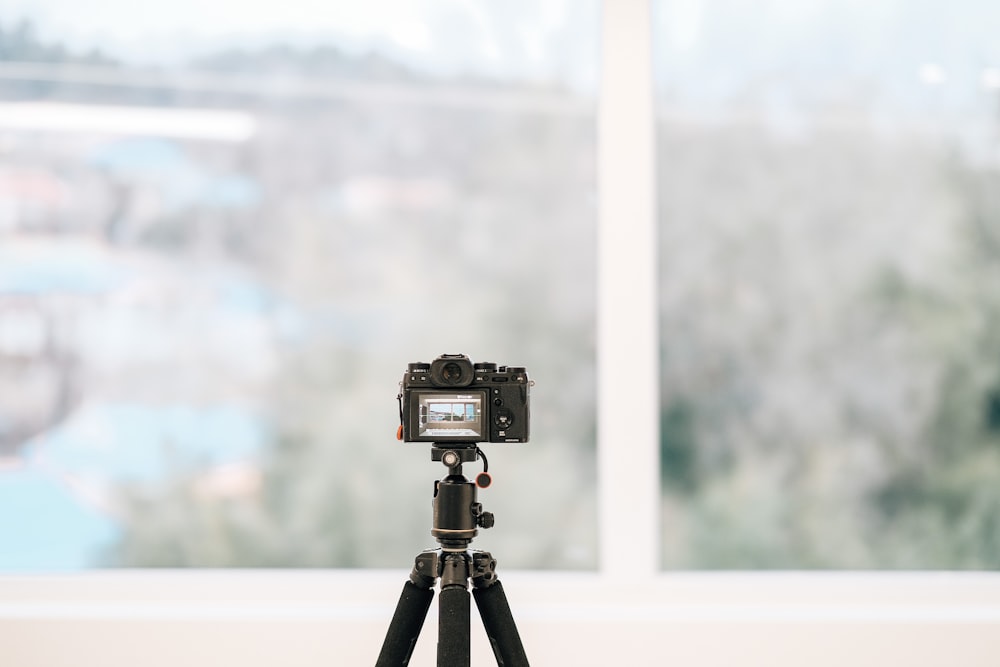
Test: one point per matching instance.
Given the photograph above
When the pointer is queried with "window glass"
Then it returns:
(829, 296)
(227, 228)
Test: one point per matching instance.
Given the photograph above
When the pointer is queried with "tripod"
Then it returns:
(456, 516)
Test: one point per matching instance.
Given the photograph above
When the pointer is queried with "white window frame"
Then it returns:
(626, 613)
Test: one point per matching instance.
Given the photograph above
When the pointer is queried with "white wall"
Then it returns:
(330, 618)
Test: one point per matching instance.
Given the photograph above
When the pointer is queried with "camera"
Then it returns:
(454, 400)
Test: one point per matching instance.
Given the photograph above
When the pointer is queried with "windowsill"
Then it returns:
(304, 617)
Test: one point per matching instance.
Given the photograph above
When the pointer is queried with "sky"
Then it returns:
(125, 24)
(701, 45)
(551, 40)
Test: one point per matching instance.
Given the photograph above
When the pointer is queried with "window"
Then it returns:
(635, 614)
(216, 253)
(828, 289)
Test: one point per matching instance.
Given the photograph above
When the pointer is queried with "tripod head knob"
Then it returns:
(483, 519)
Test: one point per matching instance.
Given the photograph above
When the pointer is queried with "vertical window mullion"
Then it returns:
(627, 360)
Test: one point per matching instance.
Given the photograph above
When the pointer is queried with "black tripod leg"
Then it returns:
(404, 629)
(453, 627)
(499, 624)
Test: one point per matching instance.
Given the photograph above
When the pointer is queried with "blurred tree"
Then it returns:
(828, 307)
(938, 508)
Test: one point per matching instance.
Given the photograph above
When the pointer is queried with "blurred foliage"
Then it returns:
(21, 43)
(831, 320)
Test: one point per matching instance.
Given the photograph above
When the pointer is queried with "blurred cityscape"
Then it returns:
(207, 303)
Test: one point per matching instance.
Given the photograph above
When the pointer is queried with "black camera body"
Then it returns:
(452, 400)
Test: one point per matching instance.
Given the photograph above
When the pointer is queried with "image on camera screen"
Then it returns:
(450, 416)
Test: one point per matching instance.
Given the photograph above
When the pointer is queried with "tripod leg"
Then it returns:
(404, 629)
(453, 612)
(499, 624)
(453, 627)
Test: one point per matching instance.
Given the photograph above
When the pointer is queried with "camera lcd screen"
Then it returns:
(450, 416)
